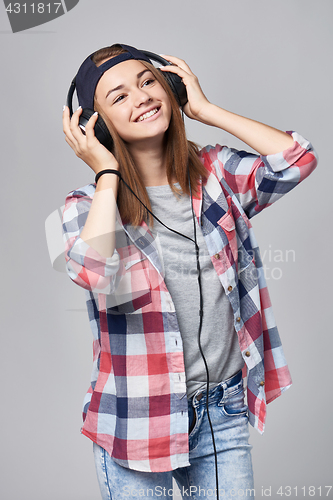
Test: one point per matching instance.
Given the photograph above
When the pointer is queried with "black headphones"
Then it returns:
(101, 130)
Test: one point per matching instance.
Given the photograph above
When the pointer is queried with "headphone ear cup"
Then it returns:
(177, 86)
(101, 130)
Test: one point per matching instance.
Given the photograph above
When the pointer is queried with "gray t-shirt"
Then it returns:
(218, 338)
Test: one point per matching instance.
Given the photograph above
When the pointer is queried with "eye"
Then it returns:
(149, 81)
(119, 98)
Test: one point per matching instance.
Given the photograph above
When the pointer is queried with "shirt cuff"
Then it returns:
(92, 260)
(283, 160)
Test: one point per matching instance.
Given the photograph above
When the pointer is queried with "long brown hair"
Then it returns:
(179, 153)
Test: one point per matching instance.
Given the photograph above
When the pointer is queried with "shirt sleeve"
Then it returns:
(258, 180)
(84, 265)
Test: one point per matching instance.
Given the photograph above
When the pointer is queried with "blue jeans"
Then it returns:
(228, 415)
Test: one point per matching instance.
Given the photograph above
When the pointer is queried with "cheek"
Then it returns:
(118, 118)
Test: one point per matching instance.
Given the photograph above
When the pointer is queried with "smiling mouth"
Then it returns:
(147, 115)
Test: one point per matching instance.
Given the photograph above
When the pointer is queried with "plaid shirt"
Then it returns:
(136, 406)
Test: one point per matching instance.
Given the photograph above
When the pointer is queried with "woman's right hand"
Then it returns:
(87, 146)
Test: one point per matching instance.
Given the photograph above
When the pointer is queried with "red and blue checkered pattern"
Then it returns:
(136, 407)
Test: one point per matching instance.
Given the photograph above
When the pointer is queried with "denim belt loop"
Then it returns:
(196, 398)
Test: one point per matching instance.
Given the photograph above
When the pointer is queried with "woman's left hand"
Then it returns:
(197, 101)
(262, 138)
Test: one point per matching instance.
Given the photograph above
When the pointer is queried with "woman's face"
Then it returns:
(134, 101)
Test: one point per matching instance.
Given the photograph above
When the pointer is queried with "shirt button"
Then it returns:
(229, 288)
(238, 319)
(262, 383)
(199, 396)
(247, 353)
(217, 256)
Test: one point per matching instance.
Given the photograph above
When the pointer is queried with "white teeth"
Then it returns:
(147, 115)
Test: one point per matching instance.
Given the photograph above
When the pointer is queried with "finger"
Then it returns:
(76, 116)
(175, 69)
(178, 62)
(74, 125)
(70, 143)
(186, 77)
(89, 128)
(66, 124)
(65, 118)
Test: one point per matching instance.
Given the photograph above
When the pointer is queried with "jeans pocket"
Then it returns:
(232, 411)
(233, 404)
(192, 419)
(195, 420)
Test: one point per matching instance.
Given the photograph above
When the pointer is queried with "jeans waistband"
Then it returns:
(216, 393)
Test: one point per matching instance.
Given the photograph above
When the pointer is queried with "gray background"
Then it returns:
(267, 60)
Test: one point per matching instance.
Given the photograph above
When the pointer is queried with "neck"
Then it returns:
(150, 161)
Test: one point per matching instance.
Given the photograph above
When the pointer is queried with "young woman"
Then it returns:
(178, 305)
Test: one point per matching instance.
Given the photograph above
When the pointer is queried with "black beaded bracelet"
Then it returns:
(107, 171)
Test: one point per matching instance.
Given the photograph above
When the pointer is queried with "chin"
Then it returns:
(146, 135)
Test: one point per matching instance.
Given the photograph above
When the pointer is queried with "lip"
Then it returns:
(156, 106)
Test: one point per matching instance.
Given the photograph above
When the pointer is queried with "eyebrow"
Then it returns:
(139, 75)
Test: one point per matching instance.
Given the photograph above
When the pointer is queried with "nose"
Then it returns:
(141, 96)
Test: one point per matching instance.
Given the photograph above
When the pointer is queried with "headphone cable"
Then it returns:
(199, 338)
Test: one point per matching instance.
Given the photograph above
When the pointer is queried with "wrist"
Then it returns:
(207, 113)
(107, 172)
(100, 166)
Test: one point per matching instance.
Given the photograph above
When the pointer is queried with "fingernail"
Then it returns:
(64, 106)
(96, 113)
(80, 107)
